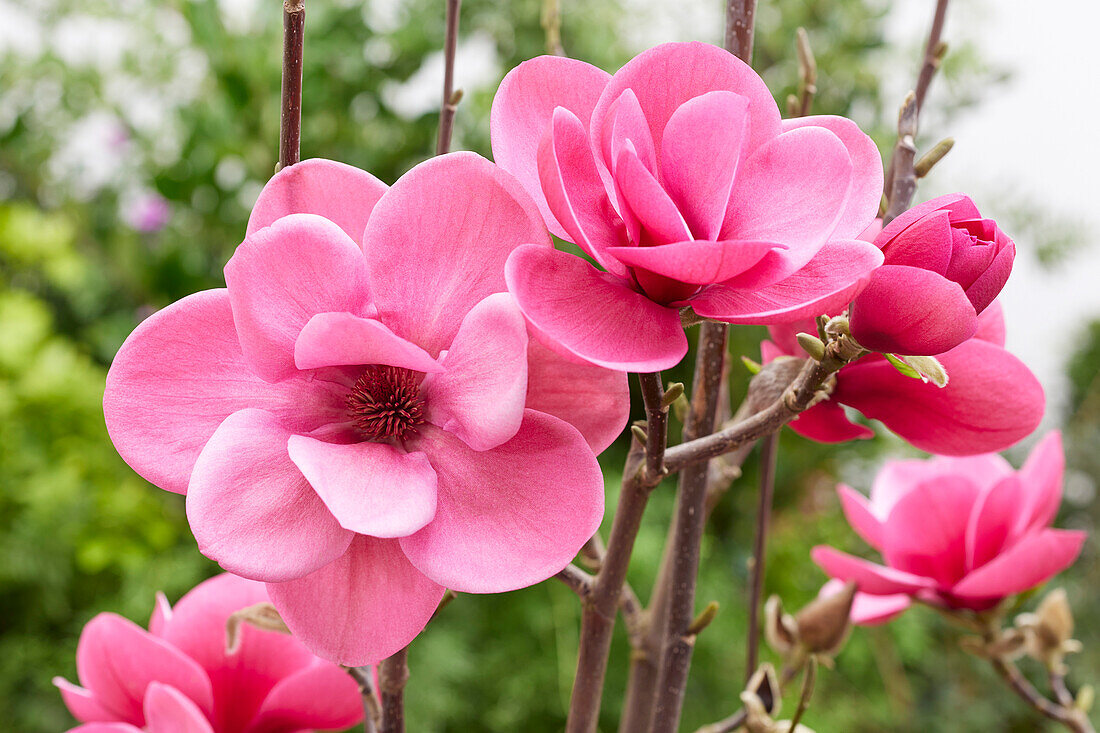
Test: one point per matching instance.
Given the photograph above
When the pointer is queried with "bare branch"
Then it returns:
(769, 450)
(393, 675)
(290, 125)
(451, 98)
(372, 710)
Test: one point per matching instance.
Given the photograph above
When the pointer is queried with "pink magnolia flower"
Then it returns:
(991, 401)
(362, 427)
(957, 532)
(678, 177)
(944, 265)
(178, 676)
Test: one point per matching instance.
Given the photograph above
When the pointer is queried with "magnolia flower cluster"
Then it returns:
(404, 389)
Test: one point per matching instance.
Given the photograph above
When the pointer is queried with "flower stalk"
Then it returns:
(290, 127)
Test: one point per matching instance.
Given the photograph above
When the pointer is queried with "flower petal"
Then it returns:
(1031, 561)
(639, 190)
(1041, 477)
(926, 244)
(343, 339)
(371, 488)
(959, 205)
(699, 157)
(512, 516)
(826, 422)
(320, 696)
(591, 314)
(480, 395)
(925, 533)
(179, 375)
(858, 512)
(628, 125)
(871, 578)
(283, 275)
(251, 509)
(696, 261)
(105, 728)
(359, 609)
(81, 702)
(341, 193)
(869, 610)
(167, 710)
(523, 107)
(437, 242)
(992, 521)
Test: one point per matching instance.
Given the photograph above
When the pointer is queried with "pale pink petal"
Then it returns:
(320, 696)
(371, 488)
(699, 157)
(858, 512)
(343, 339)
(523, 107)
(837, 273)
(592, 314)
(983, 470)
(575, 192)
(991, 324)
(906, 310)
(512, 516)
(105, 728)
(252, 510)
(179, 375)
(341, 193)
(640, 191)
(869, 610)
(990, 402)
(594, 400)
(629, 125)
(366, 605)
(871, 578)
(162, 614)
(480, 395)
(1041, 478)
(792, 190)
(992, 521)
(666, 76)
(895, 479)
(867, 175)
(1033, 560)
(116, 660)
(81, 703)
(826, 422)
(167, 710)
(437, 242)
(925, 533)
(696, 261)
(283, 275)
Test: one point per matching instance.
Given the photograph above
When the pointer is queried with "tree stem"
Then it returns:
(290, 124)
(393, 674)
(768, 454)
(740, 24)
(449, 105)
(1073, 719)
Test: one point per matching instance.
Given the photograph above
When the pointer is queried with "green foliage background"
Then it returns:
(81, 533)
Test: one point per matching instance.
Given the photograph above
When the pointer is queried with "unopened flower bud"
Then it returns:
(823, 625)
(812, 345)
(780, 629)
(1049, 630)
(263, 616)
(761, 699)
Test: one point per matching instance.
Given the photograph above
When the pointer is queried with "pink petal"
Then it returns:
(897, 478)
(162, 614)
(628, 125)
(370, 488)
(699, 157)
(105, 728)
(592, 314)
(958, 205)
(179, 374)
(858, 512)
(666, 76)
(575, 192)
(343, 339)
(867, 175)
(926, 244)
(697, 261)
(992, 520)
(283, 275)
(988, 286)
(991, 401)
(523, 107)
(792, 190)
(481, 394)
(167, 710)
(833, 277)
(906, 310)
(341, 193)
(116, 660)
(509, 517)
(1031, 561)
(252, 510)
(872, 578)
(437, 242)
(925, 533)
(869, 610)
(81, 703)
(594, 400)
(1041, 478)
(639, 190)
(826, 422)
(361, 608)
(321, 696)
(991, 324)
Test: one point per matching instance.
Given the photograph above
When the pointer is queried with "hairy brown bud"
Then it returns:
(1049, 630)
(824, 624)
(262, 616)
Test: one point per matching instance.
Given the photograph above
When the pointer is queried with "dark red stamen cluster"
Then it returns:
(385, 402)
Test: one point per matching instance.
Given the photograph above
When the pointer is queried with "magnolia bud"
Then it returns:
(263, 616)
(761, 699)
(823, 625)
(780, 629)
(1049, 630)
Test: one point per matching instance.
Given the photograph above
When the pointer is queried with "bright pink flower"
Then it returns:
(991, 401)
(944, 265)
(178, 676)
(957, 532)
(678, 177)
(362, 427)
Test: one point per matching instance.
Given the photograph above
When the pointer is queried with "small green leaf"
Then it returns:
(902, 367)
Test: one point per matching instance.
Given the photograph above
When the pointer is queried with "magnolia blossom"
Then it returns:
(944, 265)
(956, 532)
(363, 426)
(678, 177)
(178, 676)
(991, 400)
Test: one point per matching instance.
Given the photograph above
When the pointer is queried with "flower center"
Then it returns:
(385, 403)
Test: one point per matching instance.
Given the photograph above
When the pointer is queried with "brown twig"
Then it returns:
(737, 720)
(578, 581)
(1059, 690)
(372, 712)
(1072, 718)
(551, 24)
(768, 454)
(393, 675)
(642, 474)
(290, 125)
(740, 24)
(933, 53)
(451, 98)
(807, 72)
(807, 692)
